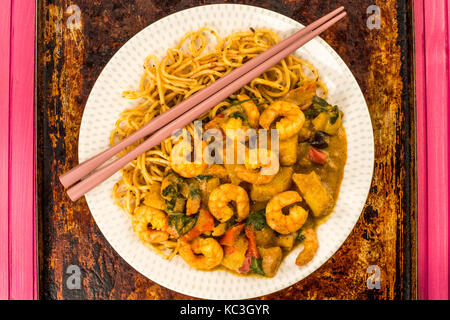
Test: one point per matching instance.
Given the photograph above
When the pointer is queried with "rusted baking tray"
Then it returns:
(381, 59)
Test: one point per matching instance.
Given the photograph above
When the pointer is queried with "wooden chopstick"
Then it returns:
(83, 169)
(187, 115)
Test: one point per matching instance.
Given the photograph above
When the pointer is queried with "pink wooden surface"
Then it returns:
(17, 189)
(421, 151)
(432, 63)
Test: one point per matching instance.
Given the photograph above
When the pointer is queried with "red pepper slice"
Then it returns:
(252, 249)
(231, 235)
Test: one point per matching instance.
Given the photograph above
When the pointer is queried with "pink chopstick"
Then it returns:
(83, 169)
(190, 114)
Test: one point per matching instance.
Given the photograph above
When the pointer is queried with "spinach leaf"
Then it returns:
(314, 111)
(231, 222)
(204, 177)
(334, 114)
(194, 192)
(238, 115)
(257, 219)
(170, 204)
(310, 113)
(170, 190)
(182, 223)
(256, 266)
(261, 103)
(320, 105)
(240, 102)
(321, 102)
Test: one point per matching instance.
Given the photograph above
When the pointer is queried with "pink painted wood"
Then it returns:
(421, 151)
(17, 188)
(432, 64)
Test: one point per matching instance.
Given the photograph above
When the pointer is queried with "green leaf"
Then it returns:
(334, 114)
(204, 177)
(170, 190)
(231, 222)
(320, 105)
(194, 192)
(257, 219)
(238, 115)
(314, 111)
(182, 223)
(264, 102)
(321, 102)
(256, 266)
(170, 204)
(240, 102)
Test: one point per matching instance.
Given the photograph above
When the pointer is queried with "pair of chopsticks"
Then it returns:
(187, 111)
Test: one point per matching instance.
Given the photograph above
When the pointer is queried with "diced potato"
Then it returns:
(153, 197)
(332, 129)
(271, 259)
(234, 256)
(320, 121)
(265, 237)
(314, 193)
(286, 241)
(323, 123)
(288, 151)
(281, 182)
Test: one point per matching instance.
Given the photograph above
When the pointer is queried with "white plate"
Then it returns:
(123, 73)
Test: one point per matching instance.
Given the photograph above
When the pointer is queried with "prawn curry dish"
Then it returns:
(246, 216)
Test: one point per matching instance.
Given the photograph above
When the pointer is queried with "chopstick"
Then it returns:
(180, 117)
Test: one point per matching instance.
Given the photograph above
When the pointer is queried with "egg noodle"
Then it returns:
(185, 70)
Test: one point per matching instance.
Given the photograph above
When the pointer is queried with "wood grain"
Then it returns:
(71, 60)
